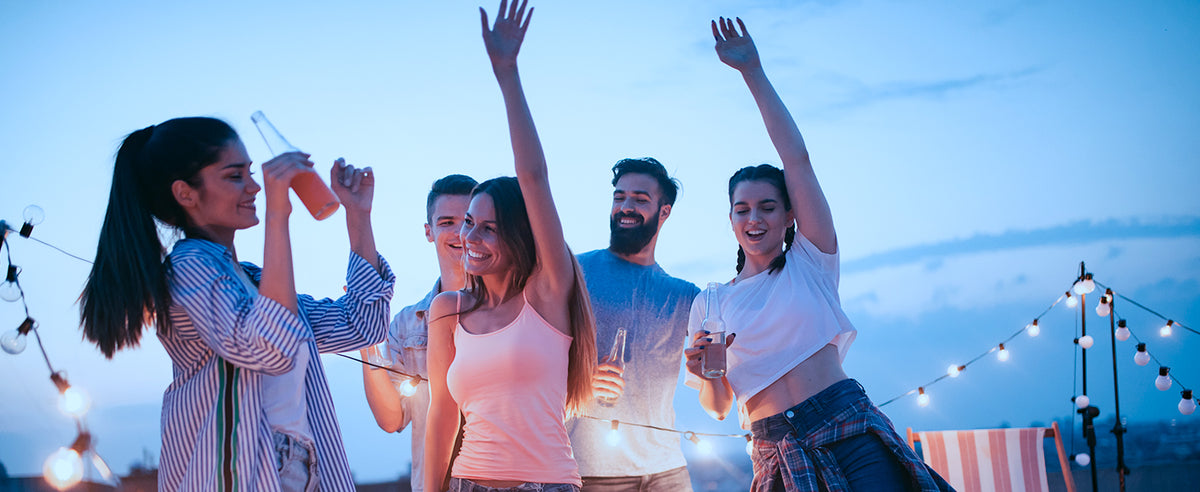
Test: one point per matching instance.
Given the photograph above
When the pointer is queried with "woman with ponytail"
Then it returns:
(249, 407)
(813, 427)
(513, 352)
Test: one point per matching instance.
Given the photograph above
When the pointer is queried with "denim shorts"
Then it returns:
(465, 485)
(296, 462)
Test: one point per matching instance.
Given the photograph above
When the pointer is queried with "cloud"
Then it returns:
(1074, 233)
(862, 94)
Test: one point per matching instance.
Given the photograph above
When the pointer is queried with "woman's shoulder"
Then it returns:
(448, 304)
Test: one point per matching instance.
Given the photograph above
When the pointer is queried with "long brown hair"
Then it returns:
(517, 241)
(127, 287)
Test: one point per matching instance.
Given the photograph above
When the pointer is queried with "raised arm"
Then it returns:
(554, 277)
(441, 426)
(813, 217)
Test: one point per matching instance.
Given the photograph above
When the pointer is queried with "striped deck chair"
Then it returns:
(993, 459)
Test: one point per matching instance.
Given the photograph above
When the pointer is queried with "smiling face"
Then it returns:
(223, 202)
(637, 212)
(445, 224)
(485, 251)
(759, 218)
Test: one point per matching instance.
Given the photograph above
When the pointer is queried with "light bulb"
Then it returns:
(1163, 381)
(1103, 309)
(408, 387)
(613, 437)
(1165, 331)
(1083, 459)
(13, 342)
(922, 398)
(74, 402)
(10, 292)
(705, 447)
(1186, 404)
(953, 370)
(749, 445)
(1002, 354)
(33, 215)
(1033, 328)
(1122, 332)
(1072, 301)
(1085, 285)
(1082, 401)
(1142, 357)
(1086, 341)
(63, 469)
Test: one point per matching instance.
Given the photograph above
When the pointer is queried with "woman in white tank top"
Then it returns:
(813, 427)
(524, 282)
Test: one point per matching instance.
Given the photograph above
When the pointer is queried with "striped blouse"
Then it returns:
(223, 339)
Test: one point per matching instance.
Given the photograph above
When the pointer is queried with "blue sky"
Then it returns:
(972, 156)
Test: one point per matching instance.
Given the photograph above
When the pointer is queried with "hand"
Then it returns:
(735, 50)
(277, 177)
(608, 381)
(695, 353)
(503, 41)
(355, 188)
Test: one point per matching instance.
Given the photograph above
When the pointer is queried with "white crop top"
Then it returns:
(780, 319)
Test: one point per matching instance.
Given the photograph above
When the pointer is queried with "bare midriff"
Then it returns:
(808, 378)
(496, 483)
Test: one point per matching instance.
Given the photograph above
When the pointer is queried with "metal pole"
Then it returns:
(1089, 429)
(1118, 427)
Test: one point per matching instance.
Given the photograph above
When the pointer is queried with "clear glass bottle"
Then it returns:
(616, 357)
(312, 191)
(712, 364)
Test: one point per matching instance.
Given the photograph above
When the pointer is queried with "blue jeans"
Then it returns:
(464, 485)
(676, 480)
(296, 462)
(866, 462)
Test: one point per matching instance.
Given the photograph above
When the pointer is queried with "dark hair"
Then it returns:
(774, 176)
(454, 184)
(649, 166)
(127, 287)
(516, 239)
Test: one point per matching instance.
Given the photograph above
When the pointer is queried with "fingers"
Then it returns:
(519, 13)
(743, 26)
(608, 366)
(500, 13)
(483, 19)
(525, 25)
(729, 339)
(716, 34)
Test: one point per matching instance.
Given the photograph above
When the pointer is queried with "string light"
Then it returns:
(613, 437)
(409, 387)
(1033, 329)
(1082, 401)
(33, 215)
(1083, 459)
(1002, 355)
(63, 469)
(922, 398)
(1084, 285)
(1163, 381)
(1104, 308)
(9, 290)
(1085, 341)
(954, 370)
(1165, 331)
(1122, 332)
(1142, 357)
(1186, 404)
(1072, 301)
(14, 341)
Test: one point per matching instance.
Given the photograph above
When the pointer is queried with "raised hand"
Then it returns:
(735, 50)
(503, 40)
(354, 187)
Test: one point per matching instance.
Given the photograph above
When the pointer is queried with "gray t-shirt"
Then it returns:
(653, 307)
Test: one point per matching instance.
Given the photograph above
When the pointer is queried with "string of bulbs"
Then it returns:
(1084, 285)
(64, 467)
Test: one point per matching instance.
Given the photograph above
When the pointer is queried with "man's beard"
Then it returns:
(628, 241)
